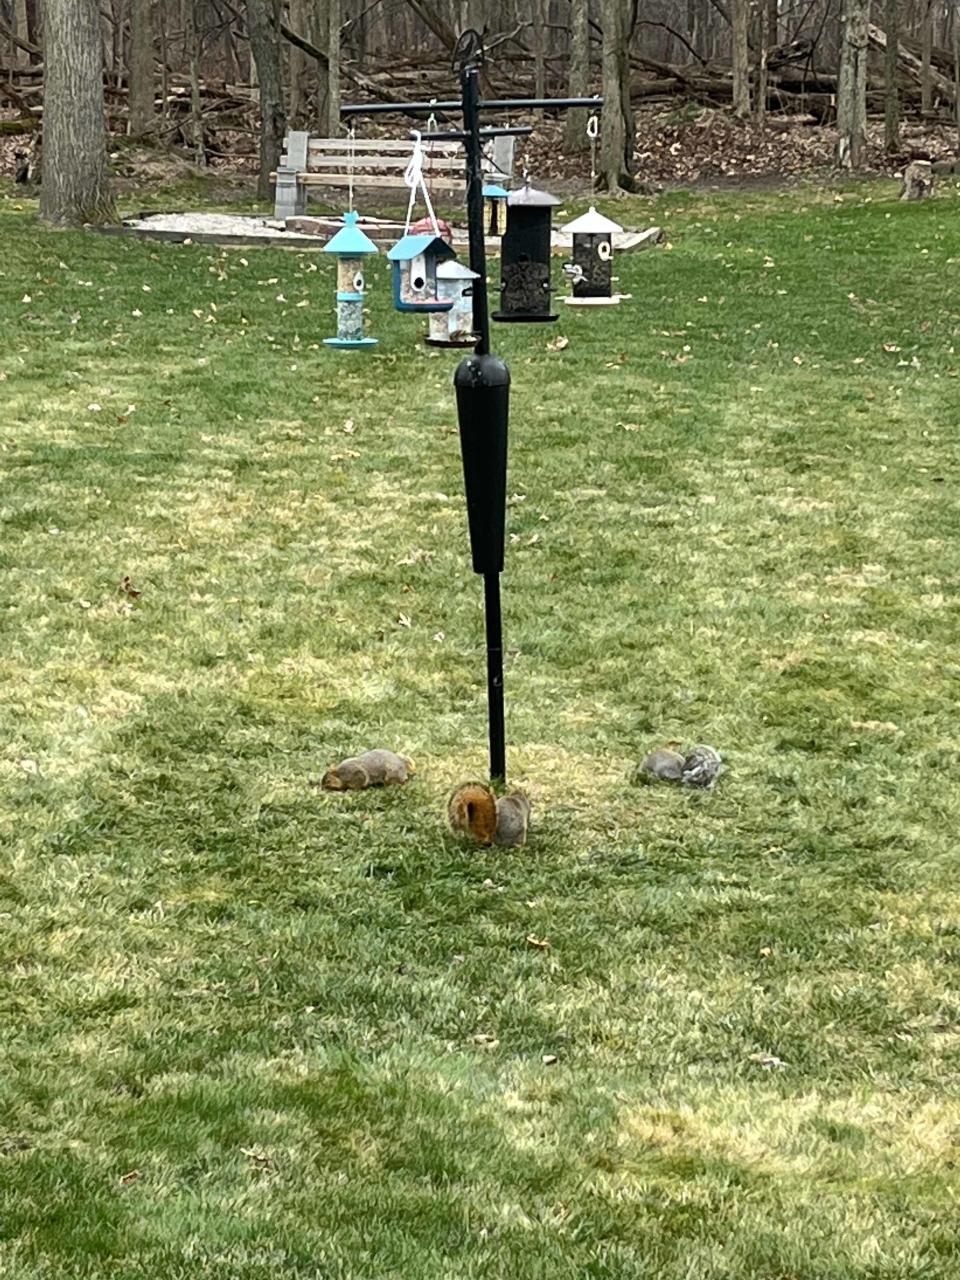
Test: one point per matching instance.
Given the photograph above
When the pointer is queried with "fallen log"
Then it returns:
(653, 88)
(878, 38)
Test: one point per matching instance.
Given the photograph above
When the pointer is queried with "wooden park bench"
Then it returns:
(371, 163)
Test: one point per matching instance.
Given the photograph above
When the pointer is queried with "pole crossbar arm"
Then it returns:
(459, 135)
(385, 108)
(530, 104)
(494, 104)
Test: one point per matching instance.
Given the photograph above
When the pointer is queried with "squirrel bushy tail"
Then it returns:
(473, 810)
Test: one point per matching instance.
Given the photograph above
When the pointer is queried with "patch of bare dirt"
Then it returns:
(690, 147)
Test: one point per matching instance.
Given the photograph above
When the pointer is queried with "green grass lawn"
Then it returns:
(251, 1029)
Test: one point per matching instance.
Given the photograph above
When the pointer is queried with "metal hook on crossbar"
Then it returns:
(593, 133)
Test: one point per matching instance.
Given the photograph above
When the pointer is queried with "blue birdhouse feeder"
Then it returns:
(350, 244)
(415, 260)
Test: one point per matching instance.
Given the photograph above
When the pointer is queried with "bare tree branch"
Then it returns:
(677, 36)
(25, 45)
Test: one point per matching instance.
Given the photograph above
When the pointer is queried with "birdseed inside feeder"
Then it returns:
(525, 257)
(591, 266)
(453, 328)
(350, 244)
(415, 260)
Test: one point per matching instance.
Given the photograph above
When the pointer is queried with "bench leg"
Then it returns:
(291, 195)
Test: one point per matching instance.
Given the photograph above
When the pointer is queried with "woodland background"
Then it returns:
(706, 88)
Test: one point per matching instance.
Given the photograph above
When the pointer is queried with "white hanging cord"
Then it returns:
(593, 132)
(413, 177)
(350, 158)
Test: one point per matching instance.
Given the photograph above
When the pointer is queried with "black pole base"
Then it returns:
(498, 745)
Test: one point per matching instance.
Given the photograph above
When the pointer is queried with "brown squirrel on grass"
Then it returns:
(474, 810)
(377, 768)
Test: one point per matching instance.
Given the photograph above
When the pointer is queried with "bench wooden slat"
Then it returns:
(342, 146)
(397, 163)
(374, 180)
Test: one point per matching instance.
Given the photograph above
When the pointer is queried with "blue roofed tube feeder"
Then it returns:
(591, 267)
(415, 260)
(496, 198)
(350, 244)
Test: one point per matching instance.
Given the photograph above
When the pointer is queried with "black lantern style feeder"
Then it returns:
(525, 258)
(482, 380)
(591, 268)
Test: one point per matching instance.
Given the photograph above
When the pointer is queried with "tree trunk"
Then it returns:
(539, 36)
(616, 134)
(141, 68)
(852, 84)
(115, 45)
(578, 83)
(21, 25)
(891, 116)
(763, 52)
(75, 189)
(956, 66)
(629, 18)
(33, 26)
(300, 68)
(263, 27)
(191, 35)
(333, 68)
(360, 31)
(741, 58)
(164, 63)
(321, 73)
(926, 39)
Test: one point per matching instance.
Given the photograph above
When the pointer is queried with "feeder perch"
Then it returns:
(525, 257)
(415, 260)
(591, 268)
(495, 196)
(350, 245)
(453, 328)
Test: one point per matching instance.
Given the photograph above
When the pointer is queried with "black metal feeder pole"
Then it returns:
(476, 378)
(482, 380)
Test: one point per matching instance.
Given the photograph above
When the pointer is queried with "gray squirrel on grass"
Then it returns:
(376, 768)
(697, 767)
